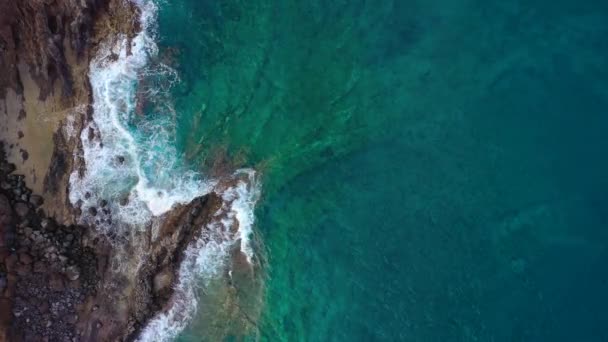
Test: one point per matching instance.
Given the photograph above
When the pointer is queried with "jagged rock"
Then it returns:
(92, 211)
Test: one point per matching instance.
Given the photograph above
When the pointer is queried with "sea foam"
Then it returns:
(208, 257)
(133, 171)
(128, 161)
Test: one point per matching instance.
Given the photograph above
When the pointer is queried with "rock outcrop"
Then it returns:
(45, 96)
(61, 281)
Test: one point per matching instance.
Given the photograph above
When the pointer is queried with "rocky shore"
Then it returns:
(59, 280)
(47, 270)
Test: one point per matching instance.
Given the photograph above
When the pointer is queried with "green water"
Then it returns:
(432, 170)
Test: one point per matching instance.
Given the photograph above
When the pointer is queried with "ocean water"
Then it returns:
(427, 170)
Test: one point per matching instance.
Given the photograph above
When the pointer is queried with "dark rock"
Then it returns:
(72, 319)
(124, 201)
(48, 224)
(25, 258)
(21, 209)
(56, 282)
(7, 167)
(72, 273)
(103, 203)
(36, 200)
(87, 195)
(43, 307)
(5, 185)
(120, 159)
(24, 155)
(22, 269)
(40, 267)
(92, 211)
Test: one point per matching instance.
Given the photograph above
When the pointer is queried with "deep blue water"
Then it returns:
(433, 170)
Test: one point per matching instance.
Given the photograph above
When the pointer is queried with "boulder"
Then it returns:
(25, 258)
(56, 282)
(72, 272)
(21, 209)
(36, 200)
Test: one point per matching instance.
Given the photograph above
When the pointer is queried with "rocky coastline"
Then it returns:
(60, 280)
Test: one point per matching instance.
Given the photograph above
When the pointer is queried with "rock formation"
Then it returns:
(60, 281)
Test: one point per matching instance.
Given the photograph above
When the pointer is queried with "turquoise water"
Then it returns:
(432, 170)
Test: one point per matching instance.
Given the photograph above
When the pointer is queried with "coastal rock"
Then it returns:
(72, 273)
(163, 280)
(36, 200)
(56, 282)
(21, 209)
(25, 258)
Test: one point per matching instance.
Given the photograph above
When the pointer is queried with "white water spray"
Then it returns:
(134, 170)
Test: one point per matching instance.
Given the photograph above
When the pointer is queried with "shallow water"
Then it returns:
(431, 170)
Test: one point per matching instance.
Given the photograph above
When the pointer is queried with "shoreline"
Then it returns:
(63, 277)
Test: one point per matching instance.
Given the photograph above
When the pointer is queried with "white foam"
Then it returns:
(125, 157)
(119, 162)
(208, 257)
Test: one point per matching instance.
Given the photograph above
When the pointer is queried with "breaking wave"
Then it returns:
(132, 172)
